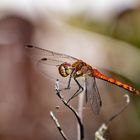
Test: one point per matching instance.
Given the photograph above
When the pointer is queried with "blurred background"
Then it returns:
(105, 34)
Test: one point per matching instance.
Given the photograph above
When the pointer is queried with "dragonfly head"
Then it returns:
(65, 69)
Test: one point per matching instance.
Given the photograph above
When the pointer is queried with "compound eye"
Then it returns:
(62, 70)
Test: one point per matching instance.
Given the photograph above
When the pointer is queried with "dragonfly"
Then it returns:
(75, 68)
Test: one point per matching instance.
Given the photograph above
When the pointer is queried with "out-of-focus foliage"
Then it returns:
(124, 26)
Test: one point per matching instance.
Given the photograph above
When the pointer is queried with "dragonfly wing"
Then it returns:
(92, 94)
(48, 57)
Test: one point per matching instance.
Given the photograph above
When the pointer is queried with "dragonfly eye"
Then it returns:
(65, 69)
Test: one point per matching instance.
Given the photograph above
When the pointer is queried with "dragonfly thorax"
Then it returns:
(65, 69)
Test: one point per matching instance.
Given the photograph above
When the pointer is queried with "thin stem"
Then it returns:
(80, 111)
(127, 101)
(58, 125)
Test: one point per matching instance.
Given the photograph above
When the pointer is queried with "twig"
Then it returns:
(99, 135)
(71, 108)
(127, 101)
(80, 109)
(58, 125)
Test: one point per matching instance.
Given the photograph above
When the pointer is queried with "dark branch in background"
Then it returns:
(72, 109)
(99, 135)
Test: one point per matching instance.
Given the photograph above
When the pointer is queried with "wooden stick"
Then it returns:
(58, 125)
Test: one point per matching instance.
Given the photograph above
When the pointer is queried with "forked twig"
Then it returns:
(99, 135)
(71, 108)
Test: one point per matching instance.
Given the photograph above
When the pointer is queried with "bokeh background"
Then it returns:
(104, 34)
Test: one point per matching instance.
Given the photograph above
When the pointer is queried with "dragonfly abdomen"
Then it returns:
(99, 75)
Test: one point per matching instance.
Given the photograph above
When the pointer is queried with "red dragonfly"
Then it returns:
(74, 68)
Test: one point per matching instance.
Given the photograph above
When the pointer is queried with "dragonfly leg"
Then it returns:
(80, 87)
(77, 92)
(68, 86)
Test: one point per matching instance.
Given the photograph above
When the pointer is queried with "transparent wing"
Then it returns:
(92, 94)
(48, 57)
